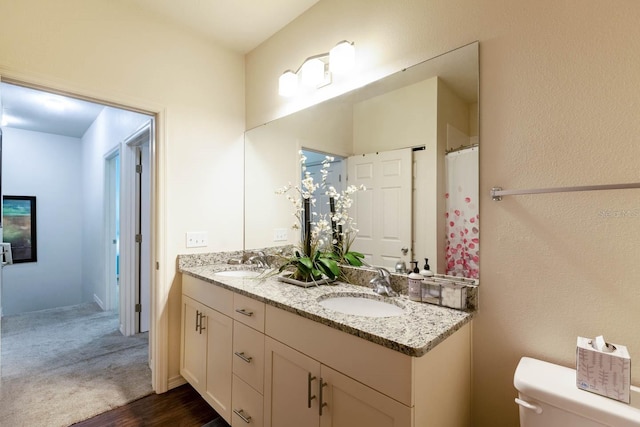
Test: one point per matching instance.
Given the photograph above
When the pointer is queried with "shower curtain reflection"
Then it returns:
(462, 224)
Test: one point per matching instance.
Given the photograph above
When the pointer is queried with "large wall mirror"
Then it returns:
(411, 138)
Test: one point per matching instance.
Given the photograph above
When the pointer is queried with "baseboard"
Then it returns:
(176, 382)
(98, 301)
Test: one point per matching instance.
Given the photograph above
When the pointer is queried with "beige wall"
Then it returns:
(558, 107)
(114, 52)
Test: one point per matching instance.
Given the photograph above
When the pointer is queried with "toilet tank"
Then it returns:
(548, 397)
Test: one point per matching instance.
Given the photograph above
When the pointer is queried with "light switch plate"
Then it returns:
(280, 235)
(197, 239)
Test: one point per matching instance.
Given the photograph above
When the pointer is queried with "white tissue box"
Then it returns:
(605, 372)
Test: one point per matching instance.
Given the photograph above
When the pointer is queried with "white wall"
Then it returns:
(46, 166)
(114, 51)
(559, 92)
(107, 132)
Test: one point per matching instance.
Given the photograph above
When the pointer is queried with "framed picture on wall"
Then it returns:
(19, 220)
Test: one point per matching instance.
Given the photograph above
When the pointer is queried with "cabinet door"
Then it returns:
(193, 355)
(291, 387)
(350, 403)
(219, 329)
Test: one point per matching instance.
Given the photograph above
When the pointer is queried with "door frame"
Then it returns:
(133, 269)
(110, 207)
(160, 281)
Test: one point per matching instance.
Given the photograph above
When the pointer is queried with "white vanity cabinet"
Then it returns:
(258, 365)
(207, 336)
(363, 383)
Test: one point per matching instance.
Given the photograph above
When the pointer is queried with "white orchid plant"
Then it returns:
(326, 239)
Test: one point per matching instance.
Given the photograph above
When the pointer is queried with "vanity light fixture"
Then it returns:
(316, 70)
(312, 71)
(342, 58)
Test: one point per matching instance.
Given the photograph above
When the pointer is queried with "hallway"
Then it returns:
(56, 368)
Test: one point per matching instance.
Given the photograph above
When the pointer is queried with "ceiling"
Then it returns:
(38, 111)
(238, 25)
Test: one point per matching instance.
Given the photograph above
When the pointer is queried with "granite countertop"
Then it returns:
(421, 328)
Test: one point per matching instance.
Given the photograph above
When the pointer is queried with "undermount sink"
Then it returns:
(362, 305)
(238, 273)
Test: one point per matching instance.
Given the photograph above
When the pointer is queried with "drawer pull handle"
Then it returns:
(241, 414)
(322, 404)
(244, 312)
(243, 357)
(309, 397)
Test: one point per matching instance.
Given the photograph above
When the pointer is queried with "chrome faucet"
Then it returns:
(260, 259)
(381, 284)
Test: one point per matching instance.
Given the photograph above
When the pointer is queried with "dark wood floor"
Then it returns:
(181, 407)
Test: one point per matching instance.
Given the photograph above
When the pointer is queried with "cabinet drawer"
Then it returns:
(213, 296)
(248, 355)
(247, 405)
(248, 311)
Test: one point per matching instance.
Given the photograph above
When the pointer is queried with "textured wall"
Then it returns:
(48, 167)
(558, 107)
(110, 50)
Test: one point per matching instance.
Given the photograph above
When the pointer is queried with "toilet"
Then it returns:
(548, 397)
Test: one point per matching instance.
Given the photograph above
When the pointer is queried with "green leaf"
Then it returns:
(306, 261)
(354, 258)
(332, 270)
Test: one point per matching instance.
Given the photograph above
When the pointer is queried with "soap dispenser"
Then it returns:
(426, 271)
(415, 268)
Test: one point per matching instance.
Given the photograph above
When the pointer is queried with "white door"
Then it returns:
(144, 223)
(383, 211)
(136, 237)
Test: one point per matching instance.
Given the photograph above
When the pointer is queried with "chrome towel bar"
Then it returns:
(498, 192)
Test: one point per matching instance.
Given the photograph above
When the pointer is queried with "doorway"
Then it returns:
(103, 147)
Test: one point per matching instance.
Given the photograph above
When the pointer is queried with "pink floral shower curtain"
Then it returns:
(463, 245)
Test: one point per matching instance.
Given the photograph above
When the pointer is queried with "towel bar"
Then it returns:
(498, 192)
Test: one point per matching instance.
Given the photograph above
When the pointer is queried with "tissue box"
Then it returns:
(606, 372)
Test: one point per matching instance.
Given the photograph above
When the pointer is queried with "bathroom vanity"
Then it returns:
(265, 353)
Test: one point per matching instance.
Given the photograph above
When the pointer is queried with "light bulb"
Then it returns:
(342, 57)
(312, 72)
(288, 83)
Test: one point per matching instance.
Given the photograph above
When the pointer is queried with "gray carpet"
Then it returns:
(61, 366)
